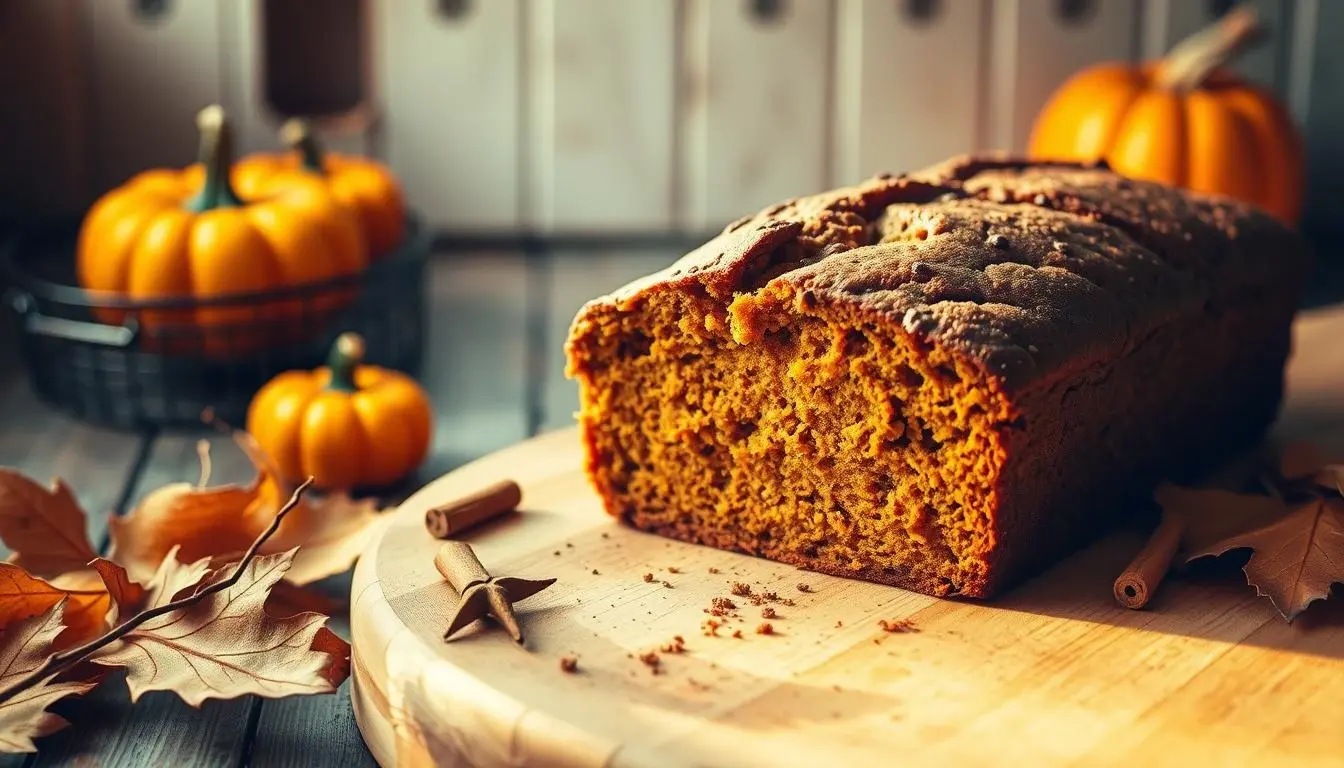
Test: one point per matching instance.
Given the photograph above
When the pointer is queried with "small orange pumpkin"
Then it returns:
(347, 425)
(187, 234)
(1182, 121)
(365, 186)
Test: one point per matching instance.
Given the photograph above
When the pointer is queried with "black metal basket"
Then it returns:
(158, 367)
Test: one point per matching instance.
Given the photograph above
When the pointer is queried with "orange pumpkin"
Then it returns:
(366, 186)
(347, 425)
(1182, 121)
(186, 234)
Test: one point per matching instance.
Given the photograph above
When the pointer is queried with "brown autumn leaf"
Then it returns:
(23, 596)
(199, 522)
(44, 527)
(173, 579)
(330, 532)
(226, 645)
(121, 591)
(221, 522)
(288, 599)
(1211, 515)
(1296, 558)
(25, 646)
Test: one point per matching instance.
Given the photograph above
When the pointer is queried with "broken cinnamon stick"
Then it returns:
(1136, 585)
(486, 504)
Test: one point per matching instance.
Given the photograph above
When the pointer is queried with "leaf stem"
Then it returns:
(60, 662)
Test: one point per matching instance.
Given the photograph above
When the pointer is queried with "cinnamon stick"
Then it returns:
(1136, 585)
(486, 504)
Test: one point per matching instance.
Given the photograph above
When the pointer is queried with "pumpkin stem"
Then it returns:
(346, 355)
(217, 157)
(297, 134)
(1193, 59)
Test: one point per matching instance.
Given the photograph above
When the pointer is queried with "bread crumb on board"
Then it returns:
(901, 625)
(651, 660)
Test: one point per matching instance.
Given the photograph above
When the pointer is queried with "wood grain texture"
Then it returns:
(754, 106)
(313, 730)
(574, 280)
(1036, 46)
(476, 357)
(43, 75)
(149, 75)
(46, 444)
(450, 89)
(890, 121)
(601, 79)
(159, 729)
(1052, 673)
(1167, 22)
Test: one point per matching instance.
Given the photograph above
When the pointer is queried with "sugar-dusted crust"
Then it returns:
(1063, 300)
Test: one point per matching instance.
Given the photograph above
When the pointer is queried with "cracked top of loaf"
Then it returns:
(1031, 270)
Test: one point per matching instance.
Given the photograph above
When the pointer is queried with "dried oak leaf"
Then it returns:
(1296, 558)
(1211, 515)
(200, 522)
(25, 646)
(44, 527)
(330, 532)
(226, 645)
(23, 596)
(221, 522)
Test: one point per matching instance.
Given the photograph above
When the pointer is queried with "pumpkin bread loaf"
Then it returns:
(942, 381)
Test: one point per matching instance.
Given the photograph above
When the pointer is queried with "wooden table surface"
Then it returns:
(500, 317)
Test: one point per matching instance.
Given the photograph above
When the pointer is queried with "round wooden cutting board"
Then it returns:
(1052, 673)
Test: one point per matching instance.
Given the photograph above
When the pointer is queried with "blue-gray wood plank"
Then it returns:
(494, 367)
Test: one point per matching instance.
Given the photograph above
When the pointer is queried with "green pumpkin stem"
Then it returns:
(298, 135)
(346, 355)
(217, 157)
(1195, 58)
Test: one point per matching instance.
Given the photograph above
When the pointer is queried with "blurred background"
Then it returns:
(550, 150)
(612, 117)
(547, 151)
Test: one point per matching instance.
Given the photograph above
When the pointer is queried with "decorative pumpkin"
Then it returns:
(186, 234)
(347, 425)
(1182, 121)
(366, 186)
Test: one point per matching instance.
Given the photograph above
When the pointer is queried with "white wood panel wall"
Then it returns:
(895, 110)
(601, 91)
(456, 70)
(612, 116)
(152, 66)
(754, 102)
(1038, 44)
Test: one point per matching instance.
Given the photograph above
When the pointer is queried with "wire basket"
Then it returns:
(144, 365)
